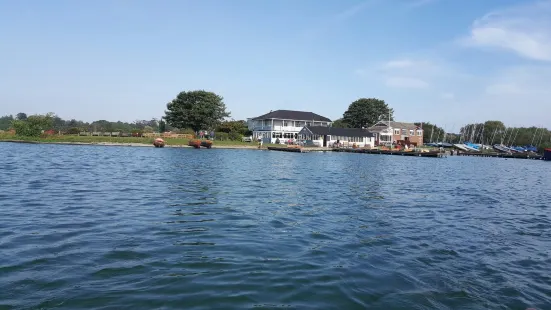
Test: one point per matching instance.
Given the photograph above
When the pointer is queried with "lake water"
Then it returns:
(85, 227)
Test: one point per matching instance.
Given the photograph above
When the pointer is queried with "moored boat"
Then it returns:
(159, 142)
(196, 143)
(547, 155)
(206, 143)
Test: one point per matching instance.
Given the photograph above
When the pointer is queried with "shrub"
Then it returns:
(234, 136)
(221, 136)
(73, 131)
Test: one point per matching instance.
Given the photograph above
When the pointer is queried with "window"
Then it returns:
(396, 131)
(404, 132)
(285, 123)
(411, 132)
(308, 124)
(419, 132)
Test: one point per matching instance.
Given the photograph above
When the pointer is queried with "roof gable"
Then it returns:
(293, 115)
(396, 125)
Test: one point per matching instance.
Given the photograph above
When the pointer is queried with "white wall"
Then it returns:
(366, 141)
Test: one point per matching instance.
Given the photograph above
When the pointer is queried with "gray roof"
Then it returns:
(293, 115)
(398, 125)
(332, 131)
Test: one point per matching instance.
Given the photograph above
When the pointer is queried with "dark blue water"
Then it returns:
(91, 227)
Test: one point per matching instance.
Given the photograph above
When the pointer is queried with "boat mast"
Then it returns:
(493, 137)
(533, 137)
(503, 135)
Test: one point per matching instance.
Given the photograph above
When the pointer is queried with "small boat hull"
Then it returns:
(159, 142)
(547, 155)
(196, 143)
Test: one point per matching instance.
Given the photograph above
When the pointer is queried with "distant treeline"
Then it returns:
(490, 132)
(75, 126)
(229, 129)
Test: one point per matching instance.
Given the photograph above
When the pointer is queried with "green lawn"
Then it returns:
(90, 139)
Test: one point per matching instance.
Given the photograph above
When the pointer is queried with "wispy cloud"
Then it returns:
(354, 10)
(334, 20)
(524, 30)
(450, 88)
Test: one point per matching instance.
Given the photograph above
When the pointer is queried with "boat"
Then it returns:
(159, 142)
(501, 148)
(206, 143)
(547, 155)
(196, 143)
(461, 146)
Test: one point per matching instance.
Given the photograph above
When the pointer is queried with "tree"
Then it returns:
(162, 126)
(6, 122)
(340, 123)
(234, 126)
(33, 125)
(21, 116)
(365, 112)
(197, 110)
(433, 133)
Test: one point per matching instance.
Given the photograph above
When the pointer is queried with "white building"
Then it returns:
(284, 125)
(328, 136)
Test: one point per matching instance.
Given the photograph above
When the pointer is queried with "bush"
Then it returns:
(221, 136)
(73, 131)
(234, 136)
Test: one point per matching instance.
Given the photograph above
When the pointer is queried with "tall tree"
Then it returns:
(197, 110)
(230, 126)
(21, 116)
(6, 122)
(340, 123)
(365, 112)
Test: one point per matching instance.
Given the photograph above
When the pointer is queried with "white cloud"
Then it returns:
(524, 30)
(405, 82)
(473, 89)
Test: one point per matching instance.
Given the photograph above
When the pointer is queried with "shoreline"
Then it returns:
(131, 144)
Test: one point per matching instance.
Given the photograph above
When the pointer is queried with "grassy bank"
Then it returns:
(114, 140)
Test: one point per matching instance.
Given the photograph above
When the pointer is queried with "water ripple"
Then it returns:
(140, 228)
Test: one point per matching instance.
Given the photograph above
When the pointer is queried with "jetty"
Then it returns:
(502, 155)
(435, 154)
(298, 149)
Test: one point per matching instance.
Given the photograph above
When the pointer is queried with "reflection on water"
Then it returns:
(91, 227)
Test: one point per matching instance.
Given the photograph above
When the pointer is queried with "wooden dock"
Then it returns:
(433, 154)
(502, 155)
(285, 149)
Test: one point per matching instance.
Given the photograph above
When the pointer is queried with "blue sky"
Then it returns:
(445, 61)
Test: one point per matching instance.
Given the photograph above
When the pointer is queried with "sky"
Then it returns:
(449, 62)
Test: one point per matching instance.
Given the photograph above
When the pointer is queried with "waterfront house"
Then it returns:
(284, 124)
(328, 136)
(386, 132)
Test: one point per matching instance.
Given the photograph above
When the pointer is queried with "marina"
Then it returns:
(502, 155)
(434, 154)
